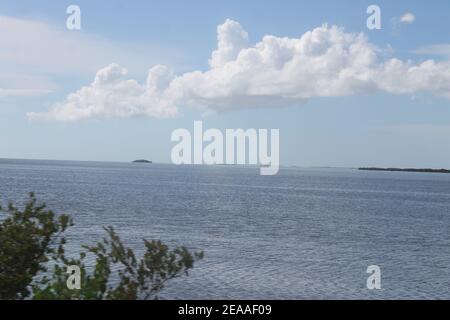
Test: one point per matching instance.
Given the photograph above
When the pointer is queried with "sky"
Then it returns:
(340, 94)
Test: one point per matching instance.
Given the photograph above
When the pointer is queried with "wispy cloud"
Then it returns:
(16, 85)
(276, 72)
(31, 49)
(434, 50)
(31, 45)
(398, 23)
(408, 18)
(417, 130)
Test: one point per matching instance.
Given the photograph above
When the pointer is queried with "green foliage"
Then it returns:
(32, 238)
(28, 240)
(134, 279)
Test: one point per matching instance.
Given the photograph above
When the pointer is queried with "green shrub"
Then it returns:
(33, 263)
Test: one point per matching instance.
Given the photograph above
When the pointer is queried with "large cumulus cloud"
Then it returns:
(276, 72)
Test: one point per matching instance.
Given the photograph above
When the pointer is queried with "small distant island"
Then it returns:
(142, 161)
(407, 170)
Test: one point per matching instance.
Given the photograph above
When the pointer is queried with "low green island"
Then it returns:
(142, 161)
(406, 170)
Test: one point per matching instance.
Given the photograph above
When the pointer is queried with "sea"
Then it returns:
(306, 233)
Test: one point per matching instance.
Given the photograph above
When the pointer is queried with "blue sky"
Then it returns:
(393, 126)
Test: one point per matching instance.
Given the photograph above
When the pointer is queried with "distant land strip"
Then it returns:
(142, 161)
(407, 170)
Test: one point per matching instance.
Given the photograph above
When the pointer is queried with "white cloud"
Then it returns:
(231, 38)
(408, 18)
(111, 95)
(276, 72)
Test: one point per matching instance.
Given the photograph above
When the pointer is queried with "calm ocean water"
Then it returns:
(303, 234)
